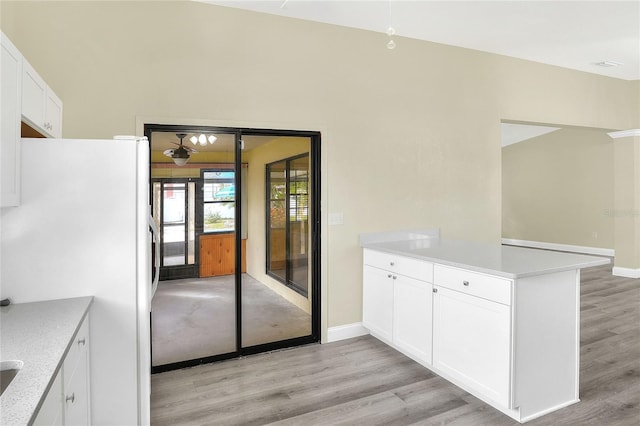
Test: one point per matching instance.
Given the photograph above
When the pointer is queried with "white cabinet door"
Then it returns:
(412, 317)
(377, 302)
(471, 342)
(76, 379)
(34, 93)
(50, 413)
(10, 110)
(76, 410)
(53, 115)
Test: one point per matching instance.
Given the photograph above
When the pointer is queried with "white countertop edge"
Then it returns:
(597, 261)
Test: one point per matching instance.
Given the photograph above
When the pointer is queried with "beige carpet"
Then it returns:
(195, 318)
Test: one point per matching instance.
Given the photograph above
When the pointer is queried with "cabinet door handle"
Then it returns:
(394, 277)
(82, 341)
(71, 398)
(392, 263)
(465, 283)
(389, 275)
(435, 290)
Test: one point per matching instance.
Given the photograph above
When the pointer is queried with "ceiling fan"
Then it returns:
(181, 154)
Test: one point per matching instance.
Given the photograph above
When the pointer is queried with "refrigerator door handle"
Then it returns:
(156, 257)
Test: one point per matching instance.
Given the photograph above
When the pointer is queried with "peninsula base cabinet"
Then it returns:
(513, 343)
(397, 299)
(472, 338)
(67, 402)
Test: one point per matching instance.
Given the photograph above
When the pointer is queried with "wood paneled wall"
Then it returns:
(217, 255)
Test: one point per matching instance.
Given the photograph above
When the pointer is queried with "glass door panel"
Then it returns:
(278, 242)
(194, 318)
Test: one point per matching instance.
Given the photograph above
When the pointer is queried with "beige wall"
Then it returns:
(411, 137)
(626, 213)
(558, 188)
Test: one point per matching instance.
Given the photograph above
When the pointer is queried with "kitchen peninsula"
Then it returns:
(501, 322)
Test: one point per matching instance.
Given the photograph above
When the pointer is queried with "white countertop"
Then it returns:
(495, 259)
(38, 334)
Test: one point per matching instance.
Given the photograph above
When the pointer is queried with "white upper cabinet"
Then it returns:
(10, 110)
(24, 97)
(41, 107)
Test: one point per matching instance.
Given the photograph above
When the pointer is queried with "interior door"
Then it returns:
(232, 305)
(174, 211)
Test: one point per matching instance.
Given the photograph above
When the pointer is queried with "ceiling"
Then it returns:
(570, 34)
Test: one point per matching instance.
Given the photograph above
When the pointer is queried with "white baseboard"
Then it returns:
(346, 331)
(560, 247)
(626, 272)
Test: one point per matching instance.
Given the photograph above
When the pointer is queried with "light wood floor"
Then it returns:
(364, 382)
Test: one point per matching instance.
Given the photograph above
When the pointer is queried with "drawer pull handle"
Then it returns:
(392, 263)
(82, 341)
(465, 283)
(71, 398)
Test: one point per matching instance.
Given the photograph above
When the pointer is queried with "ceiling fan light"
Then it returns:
(202, 139)
(212, 139)
(193, 139)
(180, 161)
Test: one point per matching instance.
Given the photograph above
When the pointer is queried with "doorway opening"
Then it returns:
(220, 295)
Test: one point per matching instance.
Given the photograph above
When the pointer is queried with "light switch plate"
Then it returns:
(336, 218)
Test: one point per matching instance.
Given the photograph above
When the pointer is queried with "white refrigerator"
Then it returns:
(82, 229)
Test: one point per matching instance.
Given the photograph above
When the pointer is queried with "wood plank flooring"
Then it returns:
(364, 382)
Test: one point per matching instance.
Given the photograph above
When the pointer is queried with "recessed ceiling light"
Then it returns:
(609, 64)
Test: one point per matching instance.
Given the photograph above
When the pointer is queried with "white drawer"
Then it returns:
(472, 283)
(79, 346)
(407, 266)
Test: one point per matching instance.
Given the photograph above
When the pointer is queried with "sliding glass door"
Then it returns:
(211, 213)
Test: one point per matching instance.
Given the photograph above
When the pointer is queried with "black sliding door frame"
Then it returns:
(314, 184)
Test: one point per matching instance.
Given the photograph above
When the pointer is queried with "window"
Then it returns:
(219, 200)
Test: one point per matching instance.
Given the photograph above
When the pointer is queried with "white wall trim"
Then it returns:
(626, 272)
(624, 133)
(560, 247)
(346, 331)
